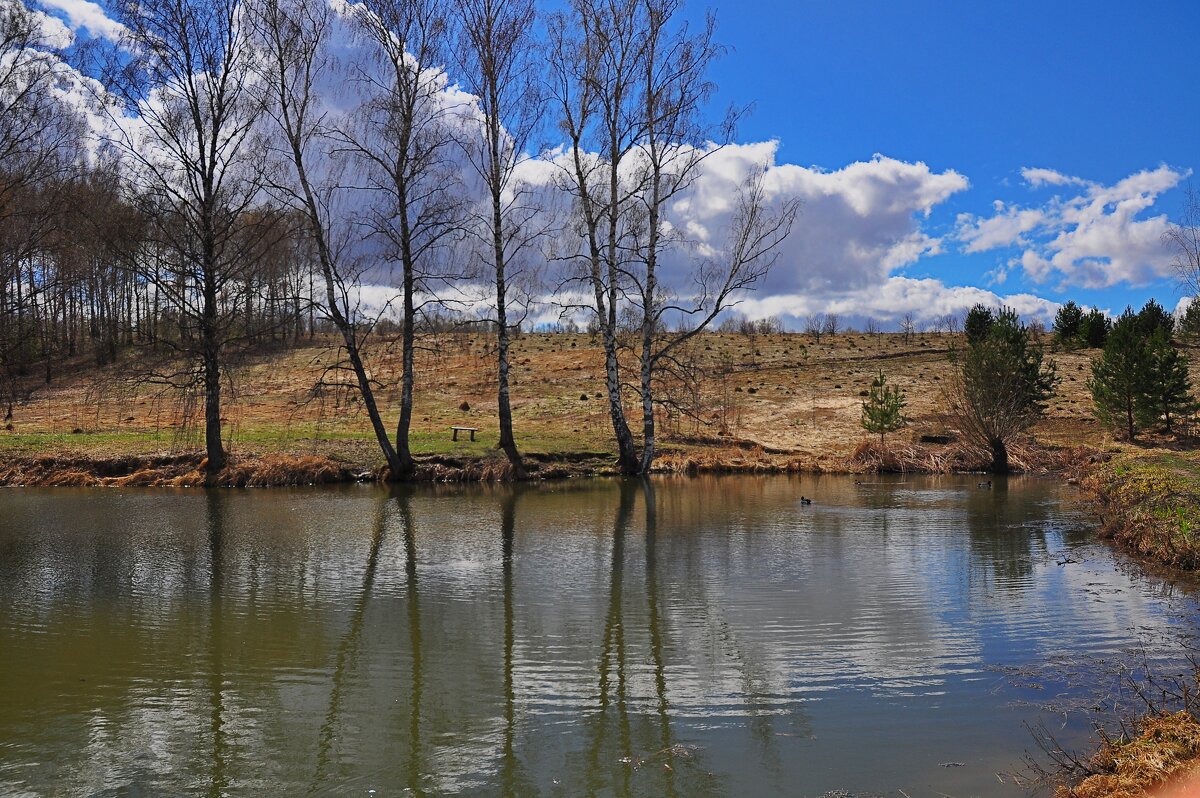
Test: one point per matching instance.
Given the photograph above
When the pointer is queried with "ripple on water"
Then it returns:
(361, 637)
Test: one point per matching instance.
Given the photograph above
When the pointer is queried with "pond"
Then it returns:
(688, 637)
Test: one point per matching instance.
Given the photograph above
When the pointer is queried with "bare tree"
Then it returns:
(295, 36)
(908, 326)
(39, 146)
(403, 140)
(672, 89)
(186, 74)
(832, 324)
(628, 80)
(595, 54)
(814, 325)
(499, 64)
(1183, 239)
(755, 234)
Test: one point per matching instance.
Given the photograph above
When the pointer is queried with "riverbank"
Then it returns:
(67, 468)
(1161, 759)
(1149, 504)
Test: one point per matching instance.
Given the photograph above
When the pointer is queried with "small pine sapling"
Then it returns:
(883, 409)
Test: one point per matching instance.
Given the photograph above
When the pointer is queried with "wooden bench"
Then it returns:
(456, 430)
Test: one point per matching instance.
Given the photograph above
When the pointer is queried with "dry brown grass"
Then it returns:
(1166, 747)
(264, 471)
(1027, 456)
(798, 399)
(729, 460)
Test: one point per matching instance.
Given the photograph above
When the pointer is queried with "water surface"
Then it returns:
(695, 637)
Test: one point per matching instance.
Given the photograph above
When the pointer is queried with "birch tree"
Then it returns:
(405, 142)
(498, 63)
(673, 88)
(629, 82)
(295, 37)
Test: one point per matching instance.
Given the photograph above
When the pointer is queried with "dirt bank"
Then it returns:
(1150, 504)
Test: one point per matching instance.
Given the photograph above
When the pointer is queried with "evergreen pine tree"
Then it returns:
(1190, 324)
(1169, 384)
(1154, 317)
(1068, 323)
(1094, 329)
(1120, 376)
(978, 323)
(1002, 386)
(883, 409)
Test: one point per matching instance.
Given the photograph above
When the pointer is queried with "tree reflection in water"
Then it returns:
(214, 506)
(404, 502)
(347, 647)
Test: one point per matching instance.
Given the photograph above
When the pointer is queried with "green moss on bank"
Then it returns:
(1151, 504)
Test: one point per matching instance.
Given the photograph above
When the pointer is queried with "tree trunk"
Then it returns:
(406, 466)
(213, 445)
(507, 442)
(647, 379)
(627, 457)
(344, 325)
(999, 457)
(210, 354)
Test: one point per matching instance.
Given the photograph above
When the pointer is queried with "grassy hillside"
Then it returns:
(793, 396)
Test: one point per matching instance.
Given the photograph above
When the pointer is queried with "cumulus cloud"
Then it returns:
(857, 224)
(1095, 238)
(1006, 228)
(891, 300)
(1042, 177)
(86, 15)
(54, 33)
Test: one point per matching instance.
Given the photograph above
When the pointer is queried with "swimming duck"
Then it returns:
(805, 500)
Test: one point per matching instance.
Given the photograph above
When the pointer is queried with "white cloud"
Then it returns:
(1097, 238)
(1037, 178)
(925, 298)
(86, 15)
(54, 33)
(1004, 229)
(857, 224)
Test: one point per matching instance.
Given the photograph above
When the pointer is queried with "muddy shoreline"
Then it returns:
(733, 457)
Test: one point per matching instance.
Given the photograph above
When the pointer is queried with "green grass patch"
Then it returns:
(1153, 501)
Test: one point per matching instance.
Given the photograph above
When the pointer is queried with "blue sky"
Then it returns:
(946, 153)
(1099, 91)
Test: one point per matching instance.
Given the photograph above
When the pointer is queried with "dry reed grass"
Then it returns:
(1167, 746)
(264, 471)
(728, 460)
(1026, 457)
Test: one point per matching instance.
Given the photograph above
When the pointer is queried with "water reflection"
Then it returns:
(671, 637)
(346, 647)
(214, 502)
(510, 778)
